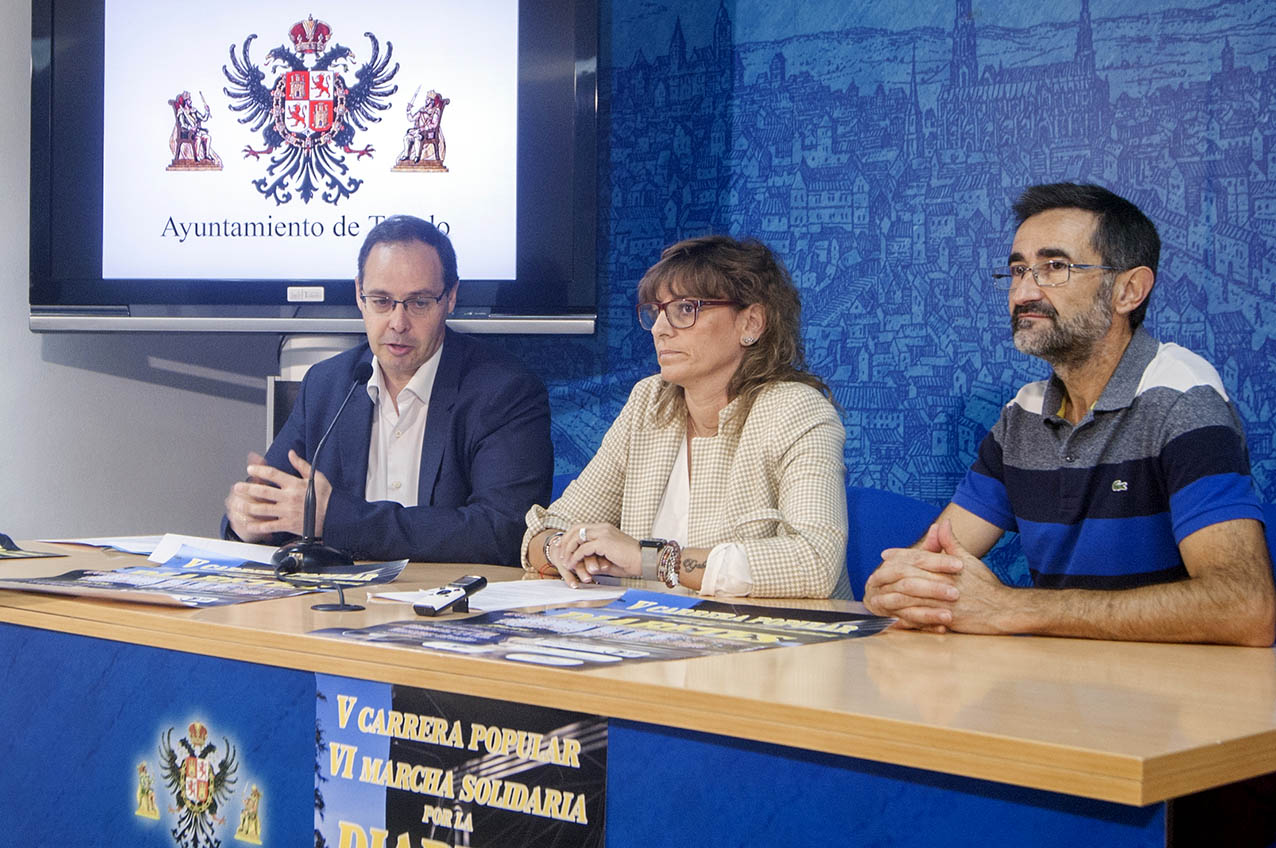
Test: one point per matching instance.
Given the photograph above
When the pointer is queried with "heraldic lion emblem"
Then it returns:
(309, 113)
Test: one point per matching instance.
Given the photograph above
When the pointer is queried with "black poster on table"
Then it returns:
(452, 770)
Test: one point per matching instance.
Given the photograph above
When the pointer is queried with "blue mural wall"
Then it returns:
(877, 148)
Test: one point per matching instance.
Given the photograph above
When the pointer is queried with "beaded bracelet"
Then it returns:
(670, 563)
(549, 540)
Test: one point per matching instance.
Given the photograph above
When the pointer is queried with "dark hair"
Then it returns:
(1123, 235)
(401, 228)
(746, 272)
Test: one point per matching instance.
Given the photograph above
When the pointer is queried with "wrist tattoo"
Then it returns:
(689, 564)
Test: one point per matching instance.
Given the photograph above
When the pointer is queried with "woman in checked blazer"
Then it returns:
(724, 472)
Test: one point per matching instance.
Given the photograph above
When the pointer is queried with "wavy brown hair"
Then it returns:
(746, 272)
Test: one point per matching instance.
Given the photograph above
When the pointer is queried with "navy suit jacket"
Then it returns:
(487, 457)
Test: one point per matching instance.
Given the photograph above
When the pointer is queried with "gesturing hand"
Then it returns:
(273, 501)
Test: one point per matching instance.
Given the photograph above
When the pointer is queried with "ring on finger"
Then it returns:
(584, 537)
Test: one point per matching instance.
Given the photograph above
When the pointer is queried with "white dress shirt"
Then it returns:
(726, 572)
(398, 435)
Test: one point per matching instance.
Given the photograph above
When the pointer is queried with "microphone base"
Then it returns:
(340, 607)
(312, 557)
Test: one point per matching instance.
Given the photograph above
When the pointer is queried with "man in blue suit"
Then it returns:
(438, 458)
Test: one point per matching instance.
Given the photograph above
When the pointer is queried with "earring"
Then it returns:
(747, 340)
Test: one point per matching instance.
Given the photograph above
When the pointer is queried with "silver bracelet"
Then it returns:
(549, 540)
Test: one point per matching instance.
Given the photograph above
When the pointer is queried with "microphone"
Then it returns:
(309, 553)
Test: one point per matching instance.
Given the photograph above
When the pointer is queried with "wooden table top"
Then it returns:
(1118, 721)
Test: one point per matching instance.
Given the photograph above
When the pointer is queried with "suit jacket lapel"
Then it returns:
(438, 421)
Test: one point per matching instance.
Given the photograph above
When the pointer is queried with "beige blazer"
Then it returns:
(774, 483)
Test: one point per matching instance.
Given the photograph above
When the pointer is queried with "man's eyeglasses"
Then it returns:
(418, 306)
(681, 313)
(1046, 274)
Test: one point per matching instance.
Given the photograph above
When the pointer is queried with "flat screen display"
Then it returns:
(229, 165)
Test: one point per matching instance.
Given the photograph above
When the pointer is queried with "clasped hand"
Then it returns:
(273, 501)
(937, 585)
(605, 550)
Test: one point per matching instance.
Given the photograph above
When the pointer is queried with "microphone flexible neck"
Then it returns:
(361, 377)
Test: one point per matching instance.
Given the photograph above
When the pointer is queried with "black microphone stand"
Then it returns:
(333, 582)
(309, 553)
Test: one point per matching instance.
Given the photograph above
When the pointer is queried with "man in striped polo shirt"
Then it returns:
(1125, 474)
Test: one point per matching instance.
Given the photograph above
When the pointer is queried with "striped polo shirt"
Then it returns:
(1104, 504)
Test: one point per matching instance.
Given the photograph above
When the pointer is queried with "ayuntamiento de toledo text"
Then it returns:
(270, 228)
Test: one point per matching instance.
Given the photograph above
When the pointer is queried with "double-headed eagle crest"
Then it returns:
(198, 786)
(309, 113)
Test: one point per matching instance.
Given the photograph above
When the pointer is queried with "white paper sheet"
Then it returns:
(172, 542)
(513, 594)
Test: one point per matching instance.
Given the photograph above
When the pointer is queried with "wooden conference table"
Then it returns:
(897, 738)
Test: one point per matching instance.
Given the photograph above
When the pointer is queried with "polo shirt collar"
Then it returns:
(1122, 386)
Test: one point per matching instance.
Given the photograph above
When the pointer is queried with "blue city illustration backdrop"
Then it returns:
(877, 148)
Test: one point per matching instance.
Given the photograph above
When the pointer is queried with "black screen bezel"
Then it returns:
(556, 194)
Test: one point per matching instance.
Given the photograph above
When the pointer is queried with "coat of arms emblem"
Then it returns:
(309, 114)
(199, 786)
